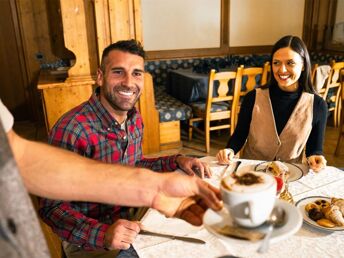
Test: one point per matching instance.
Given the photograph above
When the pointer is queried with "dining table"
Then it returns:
(187, 85)
(302, 241)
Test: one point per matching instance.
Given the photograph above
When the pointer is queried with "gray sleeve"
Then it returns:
(6, 118)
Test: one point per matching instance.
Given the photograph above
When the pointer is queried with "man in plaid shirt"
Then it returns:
(107, 128)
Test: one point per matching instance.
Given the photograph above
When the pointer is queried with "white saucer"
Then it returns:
(295, 171)
(301, 206)
(212, 219)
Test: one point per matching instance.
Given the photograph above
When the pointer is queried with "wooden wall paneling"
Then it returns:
(36, 39)
(56, 31)
(124, 16)
(13, 80)
(150, 116)
(138, 20)
(78, 37)
(101, 9)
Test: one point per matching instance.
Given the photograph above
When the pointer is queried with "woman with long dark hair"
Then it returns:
(286, 119)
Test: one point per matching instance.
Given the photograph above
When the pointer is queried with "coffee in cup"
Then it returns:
(249, 196)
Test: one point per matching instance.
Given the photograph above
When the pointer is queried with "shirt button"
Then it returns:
(11, 225)
(109, 129)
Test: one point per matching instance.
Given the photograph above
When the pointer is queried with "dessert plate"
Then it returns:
(295, 171)
(213, 220)
(301, 206)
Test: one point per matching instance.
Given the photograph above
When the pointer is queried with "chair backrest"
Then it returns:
(313, 72)
(333, 80)
(228, 90)
(254, 76)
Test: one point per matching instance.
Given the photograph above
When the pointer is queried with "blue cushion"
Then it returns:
(200, 106)
(170, 109)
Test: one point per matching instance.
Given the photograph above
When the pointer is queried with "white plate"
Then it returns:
(212, 220)
(295, 171)
(301, 206)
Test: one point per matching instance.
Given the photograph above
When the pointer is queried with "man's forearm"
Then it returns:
(58, 174)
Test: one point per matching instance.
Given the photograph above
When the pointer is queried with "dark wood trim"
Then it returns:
(251, 50)
(185, 53)
(319, 19)
(207, 52)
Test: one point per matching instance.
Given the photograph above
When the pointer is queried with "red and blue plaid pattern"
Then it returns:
(90, 131)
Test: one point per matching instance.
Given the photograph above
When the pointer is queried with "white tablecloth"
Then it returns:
(307, 242)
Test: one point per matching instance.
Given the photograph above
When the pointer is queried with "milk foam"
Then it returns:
(231, 183)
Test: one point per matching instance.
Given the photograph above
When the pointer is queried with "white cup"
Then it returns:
(249, 204)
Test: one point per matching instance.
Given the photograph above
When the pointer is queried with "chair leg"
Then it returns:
(341, 134)
(190, 129)
(207, 136)
(335, 123)
(339, 112)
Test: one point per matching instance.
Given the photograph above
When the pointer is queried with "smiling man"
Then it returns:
(108, 128)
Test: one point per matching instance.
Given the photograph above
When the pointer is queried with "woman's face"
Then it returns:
(287, 66)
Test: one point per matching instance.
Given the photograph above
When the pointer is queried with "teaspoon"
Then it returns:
(276, 219)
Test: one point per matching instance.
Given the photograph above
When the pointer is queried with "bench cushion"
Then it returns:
(170, 109)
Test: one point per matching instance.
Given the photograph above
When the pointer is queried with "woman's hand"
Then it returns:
(224, 156)
(317, 162)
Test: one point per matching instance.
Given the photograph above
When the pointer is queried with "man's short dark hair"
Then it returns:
(131, 46)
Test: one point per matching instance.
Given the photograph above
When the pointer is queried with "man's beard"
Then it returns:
(116, 103)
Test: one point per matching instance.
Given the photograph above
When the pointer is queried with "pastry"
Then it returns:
(277, 168)
(338, 202)
(333, 213)
(315, 214)
(322, 204)
(310, 206)
(326, 223)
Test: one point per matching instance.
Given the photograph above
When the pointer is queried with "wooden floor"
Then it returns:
(195, 147)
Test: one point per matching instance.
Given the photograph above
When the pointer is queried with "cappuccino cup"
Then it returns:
(249, 197)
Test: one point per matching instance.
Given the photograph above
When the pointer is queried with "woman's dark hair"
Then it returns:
(297, 45)
(131, 46)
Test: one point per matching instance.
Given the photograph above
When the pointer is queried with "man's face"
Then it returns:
(121, 81)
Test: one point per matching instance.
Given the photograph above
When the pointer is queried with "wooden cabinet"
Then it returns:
(60, 95)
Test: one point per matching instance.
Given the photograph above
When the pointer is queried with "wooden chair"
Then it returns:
(254, 76)
(341, 124)
(313, 72)
(333, 86)
(218, 107)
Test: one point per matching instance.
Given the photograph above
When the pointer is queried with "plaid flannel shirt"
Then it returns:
(91, 131)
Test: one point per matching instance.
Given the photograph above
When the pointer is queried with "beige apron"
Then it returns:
(263, 142)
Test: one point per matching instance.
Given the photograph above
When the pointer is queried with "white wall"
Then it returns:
(181, 24)
(190, 24)
(263, 22)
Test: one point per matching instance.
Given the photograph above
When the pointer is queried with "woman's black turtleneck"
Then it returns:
(283, 104)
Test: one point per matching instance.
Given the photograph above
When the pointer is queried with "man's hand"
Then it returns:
(224, 156)
(201, 196)
(121, 234)
(193, 166)
(317, 162)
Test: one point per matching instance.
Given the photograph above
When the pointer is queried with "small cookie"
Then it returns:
(322, 203)
(326, 223)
